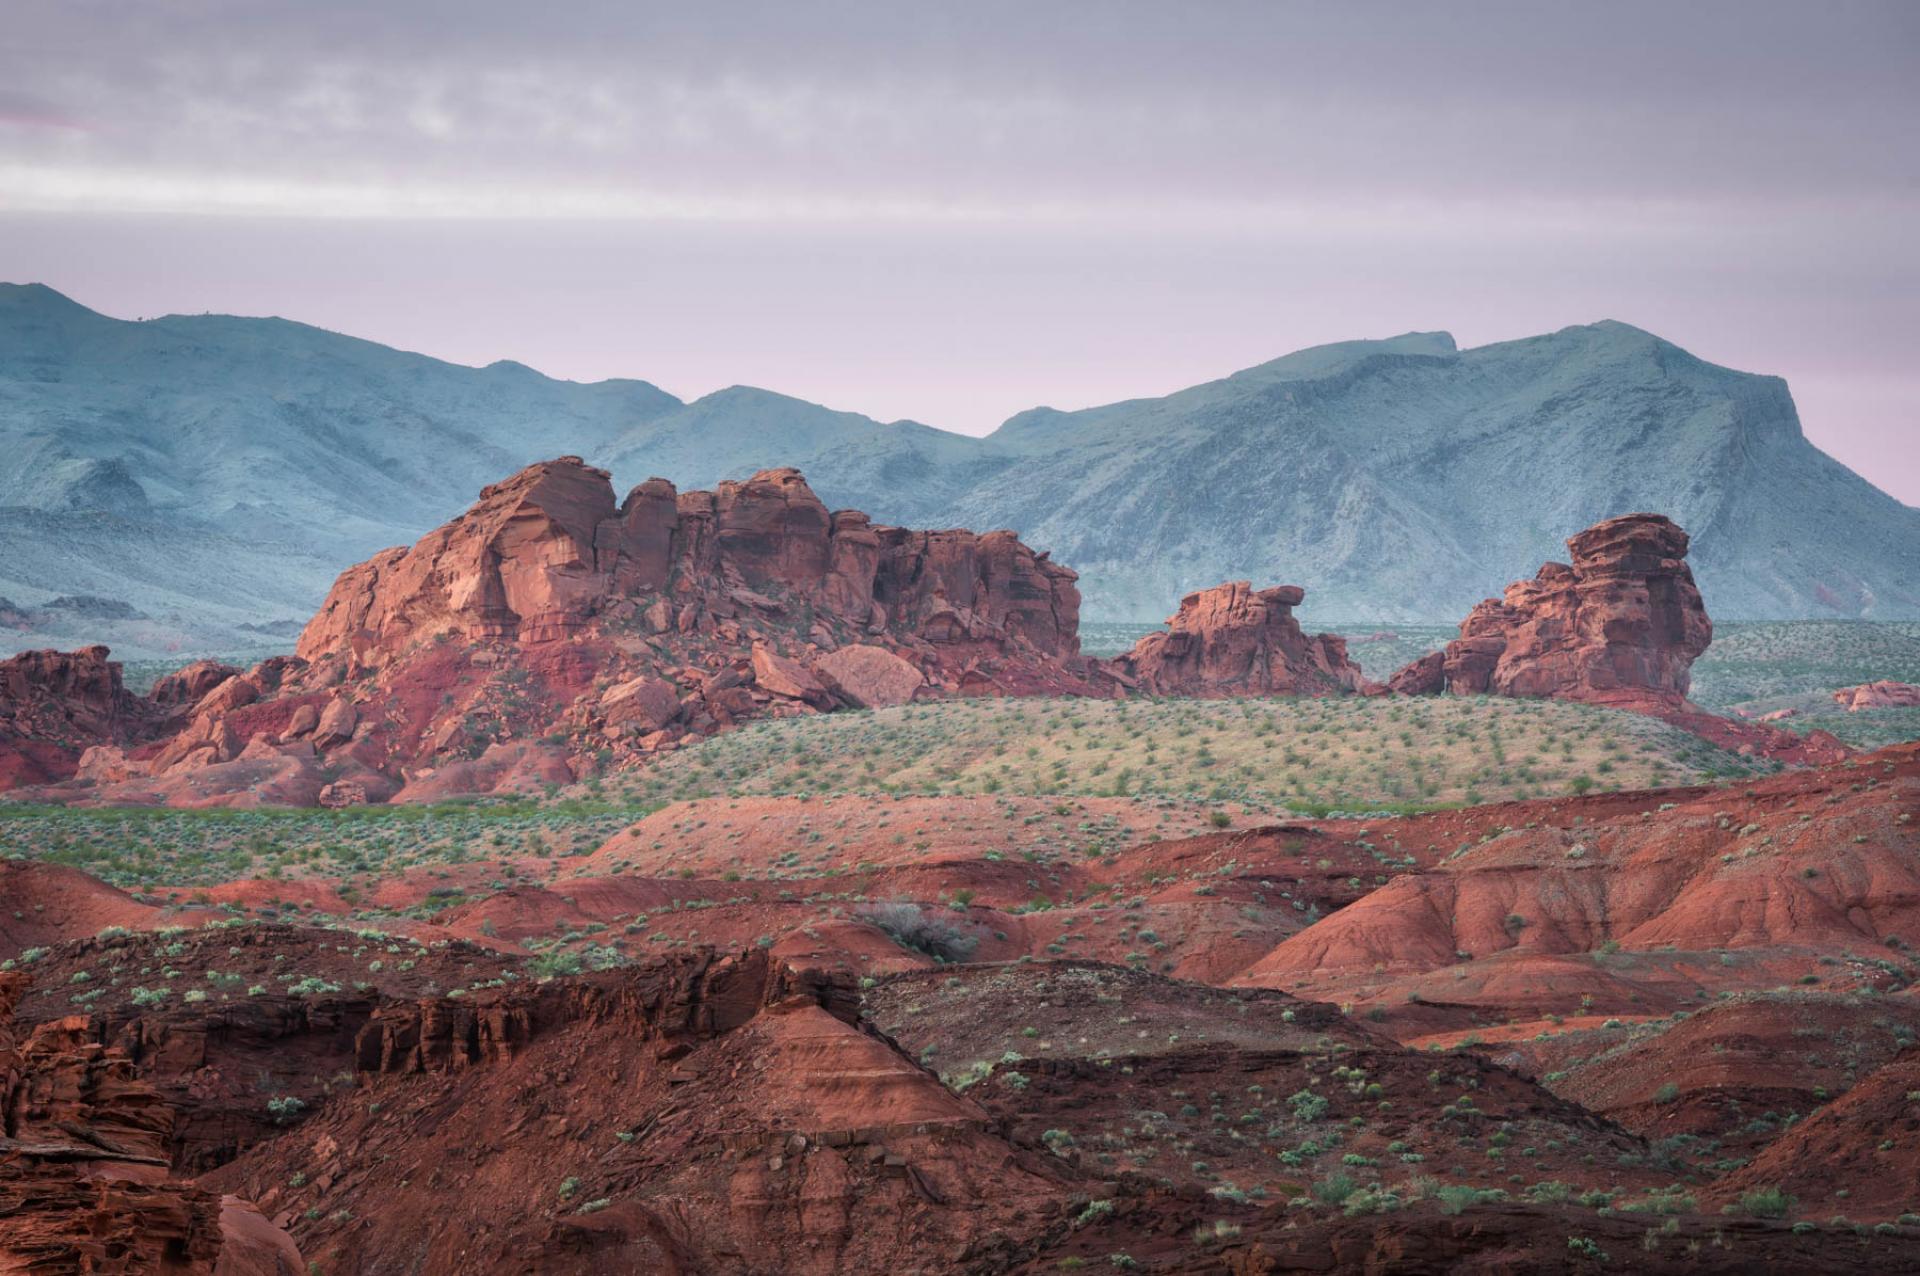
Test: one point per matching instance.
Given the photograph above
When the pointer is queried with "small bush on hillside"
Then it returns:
(1766, 1202)
(913, 927)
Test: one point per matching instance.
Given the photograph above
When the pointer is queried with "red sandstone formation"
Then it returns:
(1234, 640)
(1602, 905)
(53, 704)
(1885, 694)
(697, 1114)
(739, 1114)
(547, 554)
(84, 1185)
(548, 633)
(1857, 1156)
(1620, 627)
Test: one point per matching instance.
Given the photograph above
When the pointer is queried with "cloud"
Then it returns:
(27, 110)
(1007, 107)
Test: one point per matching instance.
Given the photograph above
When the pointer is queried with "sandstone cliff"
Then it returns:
(548, 552)
(54, 703)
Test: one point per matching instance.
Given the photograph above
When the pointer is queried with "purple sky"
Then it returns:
(955, 218)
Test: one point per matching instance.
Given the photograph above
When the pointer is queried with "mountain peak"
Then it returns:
(35, 298)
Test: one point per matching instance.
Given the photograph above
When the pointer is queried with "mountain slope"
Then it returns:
(1404, 479)
(255, 447)
(245, 461)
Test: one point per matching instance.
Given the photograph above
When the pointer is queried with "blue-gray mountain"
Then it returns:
(214, 473)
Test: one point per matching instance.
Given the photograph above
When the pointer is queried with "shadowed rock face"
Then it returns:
(84, 1185)
(1234, 640)
(767, 1129)
(1621, 626)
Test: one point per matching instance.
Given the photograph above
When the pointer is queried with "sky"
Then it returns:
(954, 212)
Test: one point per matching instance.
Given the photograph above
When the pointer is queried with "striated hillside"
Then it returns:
(1401, 479)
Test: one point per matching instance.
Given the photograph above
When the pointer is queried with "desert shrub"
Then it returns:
(1334, 1189)
(1306, 1105)
(1766, 1202)
(914, 927)
(555, 962)
(1456, 1197)
(1093, 1213)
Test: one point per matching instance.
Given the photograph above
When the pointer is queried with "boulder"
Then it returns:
(104, 764)
(337, 723)
(779, 676)
(1423, 677)
(869, 677)
(303, 722)
(647, 704)
(190, 684)
(228, 695)
(343, 793)
(207, 740)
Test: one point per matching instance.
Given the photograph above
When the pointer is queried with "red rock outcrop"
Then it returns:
(84, 1185)
(1234, 640)
(1885, 694)
(740, 1117)
(547, 553)
(1620, 627)
(1858, 1155)
(186, 686)
(1576, 905)
(53, 704)
(869, 677)
(549, 632)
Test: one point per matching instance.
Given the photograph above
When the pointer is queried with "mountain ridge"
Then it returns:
(1399, 479)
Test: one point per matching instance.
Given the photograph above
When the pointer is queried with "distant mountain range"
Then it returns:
(199, 480)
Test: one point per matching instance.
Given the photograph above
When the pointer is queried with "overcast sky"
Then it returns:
(953, 216)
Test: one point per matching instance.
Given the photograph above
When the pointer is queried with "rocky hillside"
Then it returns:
(212, 473)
